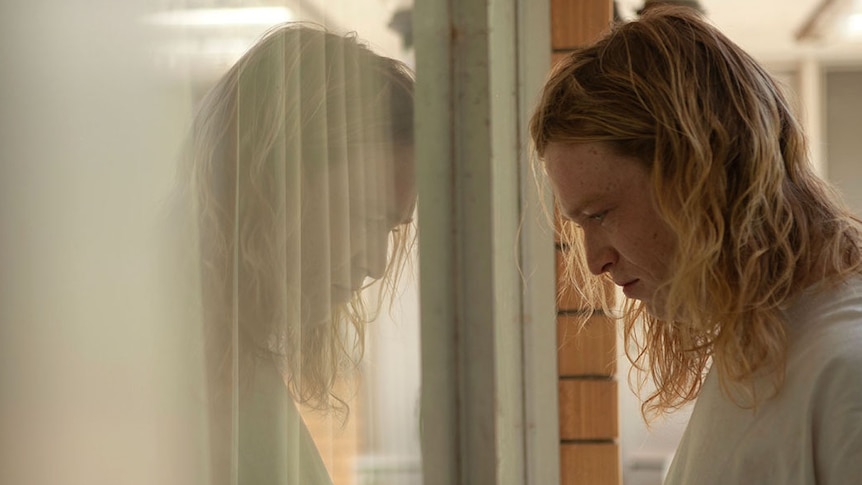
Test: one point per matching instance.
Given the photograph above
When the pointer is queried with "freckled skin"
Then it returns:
(610, 196)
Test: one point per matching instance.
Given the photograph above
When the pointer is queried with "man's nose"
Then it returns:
(600, 254)
(378, 248)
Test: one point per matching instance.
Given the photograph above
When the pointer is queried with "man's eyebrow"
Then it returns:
(568, 214)
(578, 212)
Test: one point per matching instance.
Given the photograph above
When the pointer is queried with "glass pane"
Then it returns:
(211, 275)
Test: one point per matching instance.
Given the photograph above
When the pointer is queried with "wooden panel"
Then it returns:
(590, 464)
(578, 22)
(588, 409)
(588, 352)
(556, 57)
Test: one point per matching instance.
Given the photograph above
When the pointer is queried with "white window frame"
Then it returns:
(489, 355)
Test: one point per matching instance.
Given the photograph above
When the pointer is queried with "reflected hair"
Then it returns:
(301, 102)
(731, 176)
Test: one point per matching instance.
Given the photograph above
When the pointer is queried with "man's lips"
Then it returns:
(628, 285)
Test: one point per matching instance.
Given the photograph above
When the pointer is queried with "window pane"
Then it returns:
(210, 275)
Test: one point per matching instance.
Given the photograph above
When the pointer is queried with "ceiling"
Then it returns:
(767, 28)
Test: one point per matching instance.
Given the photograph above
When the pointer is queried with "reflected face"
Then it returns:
(386, 204)
(610, 197)
(350, 212)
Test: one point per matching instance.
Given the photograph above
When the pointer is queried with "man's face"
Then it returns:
(350, 212)
(610, 197)
(385, 203)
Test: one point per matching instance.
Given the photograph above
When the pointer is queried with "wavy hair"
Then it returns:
(754, 225)
(299, 103)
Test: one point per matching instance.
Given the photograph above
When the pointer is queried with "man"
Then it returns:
(687, 174)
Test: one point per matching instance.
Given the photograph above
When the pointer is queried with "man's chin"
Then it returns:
(651, 310)
(656, 308)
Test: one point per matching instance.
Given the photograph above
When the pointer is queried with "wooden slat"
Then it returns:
(588, 352)
(590, 464)
(556, 57)
(588, 409)
(578, 22)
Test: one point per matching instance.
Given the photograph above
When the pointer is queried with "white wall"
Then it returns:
(843, 135)
(645, 451)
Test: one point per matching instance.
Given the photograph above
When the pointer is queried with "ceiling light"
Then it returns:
(854, 25)
(218, 17)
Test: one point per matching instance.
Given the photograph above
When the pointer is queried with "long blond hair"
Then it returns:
(298, 103)
(729, 165)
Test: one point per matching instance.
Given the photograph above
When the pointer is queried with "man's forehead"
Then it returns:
(571, 166)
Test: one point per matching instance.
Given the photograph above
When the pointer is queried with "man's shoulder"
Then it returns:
(828, 317)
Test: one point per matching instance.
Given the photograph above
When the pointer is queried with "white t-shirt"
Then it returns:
(274, 446)
(811, 431)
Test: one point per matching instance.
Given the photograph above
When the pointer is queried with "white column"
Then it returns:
(470, 56)
(811, 100)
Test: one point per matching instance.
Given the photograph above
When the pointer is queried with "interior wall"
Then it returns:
(843, 99)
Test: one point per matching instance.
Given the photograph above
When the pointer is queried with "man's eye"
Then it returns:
(598, 217)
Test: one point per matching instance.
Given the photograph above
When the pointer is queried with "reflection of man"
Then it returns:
(681, 162)
(302, 169)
